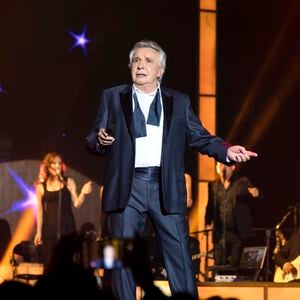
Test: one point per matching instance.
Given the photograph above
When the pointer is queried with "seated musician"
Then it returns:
(288, 259)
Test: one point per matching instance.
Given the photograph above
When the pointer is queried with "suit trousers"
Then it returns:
(171, 229)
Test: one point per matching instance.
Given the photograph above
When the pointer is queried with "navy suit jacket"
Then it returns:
(181, 128)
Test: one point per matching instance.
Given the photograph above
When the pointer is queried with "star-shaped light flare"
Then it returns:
(29, 199)
(80, 40)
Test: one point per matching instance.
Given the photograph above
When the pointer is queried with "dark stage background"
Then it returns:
(49, 91)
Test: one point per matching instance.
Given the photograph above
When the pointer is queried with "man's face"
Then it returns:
(225, 170)
(145, 68)
(109, 252)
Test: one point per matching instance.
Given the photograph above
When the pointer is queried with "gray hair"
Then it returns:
(153, 45)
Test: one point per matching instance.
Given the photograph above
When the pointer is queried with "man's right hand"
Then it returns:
(104, 138)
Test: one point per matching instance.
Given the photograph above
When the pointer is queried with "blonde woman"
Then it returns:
(56, 194)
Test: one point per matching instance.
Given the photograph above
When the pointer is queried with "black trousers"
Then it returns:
(228, 250)
(171, 229)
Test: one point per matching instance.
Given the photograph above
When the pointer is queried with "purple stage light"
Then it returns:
(2, 90)
(29, 199)
(80, 40)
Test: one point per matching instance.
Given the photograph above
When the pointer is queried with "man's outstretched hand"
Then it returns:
(240, 154)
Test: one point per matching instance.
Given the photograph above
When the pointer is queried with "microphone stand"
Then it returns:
(295, 209)
(267, 241)
(61, 186)
(268, 232)
(59, 215)
(283, 219)
(225, 207)
(224, 230)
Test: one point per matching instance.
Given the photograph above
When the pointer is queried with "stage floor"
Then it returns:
(243, 290)
(240, 290)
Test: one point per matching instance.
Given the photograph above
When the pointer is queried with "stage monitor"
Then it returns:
(253, 257)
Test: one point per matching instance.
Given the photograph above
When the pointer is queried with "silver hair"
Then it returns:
(153, 45)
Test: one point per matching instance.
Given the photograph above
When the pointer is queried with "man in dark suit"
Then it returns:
(143, 128)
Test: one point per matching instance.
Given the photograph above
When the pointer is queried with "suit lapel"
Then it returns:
(168, 110)
(126, 102)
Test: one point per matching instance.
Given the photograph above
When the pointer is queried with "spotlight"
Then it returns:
(80, 40)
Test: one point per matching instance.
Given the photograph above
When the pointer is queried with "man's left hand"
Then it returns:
(239, 154)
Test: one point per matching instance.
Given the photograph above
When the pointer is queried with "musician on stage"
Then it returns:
(228, 213)
(288, 257)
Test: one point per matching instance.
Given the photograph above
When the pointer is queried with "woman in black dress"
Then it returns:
(56, 193)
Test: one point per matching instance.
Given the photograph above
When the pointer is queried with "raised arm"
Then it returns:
(85, 190)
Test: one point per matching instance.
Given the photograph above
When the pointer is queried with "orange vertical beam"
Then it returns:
(207, 114)
(207, 79)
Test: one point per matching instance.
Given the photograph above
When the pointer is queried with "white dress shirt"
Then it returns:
(148, 148)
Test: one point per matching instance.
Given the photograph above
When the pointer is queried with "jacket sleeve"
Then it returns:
(92, 142)
(202, 140)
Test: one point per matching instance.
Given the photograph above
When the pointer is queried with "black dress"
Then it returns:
(56, 203)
